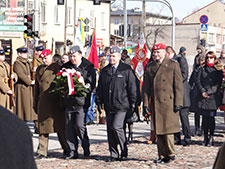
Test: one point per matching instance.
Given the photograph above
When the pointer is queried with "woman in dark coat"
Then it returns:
(194, 95)
(209, 81)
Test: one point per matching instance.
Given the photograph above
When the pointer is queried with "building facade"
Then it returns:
(54, 21)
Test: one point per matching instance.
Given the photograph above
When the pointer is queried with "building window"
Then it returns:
(43, 12)
(56, 14)
(223, 38)
(116, 21)
(131, 21)
(211, 37)
(103, 20)
(92, 18)
(69, 16)
(81, 12)
(218, 38)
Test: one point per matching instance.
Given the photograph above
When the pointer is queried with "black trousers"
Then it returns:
(116, 133)
(185, 125)
(75, 127)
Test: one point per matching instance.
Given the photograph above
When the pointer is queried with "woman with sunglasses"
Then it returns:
(209, 81)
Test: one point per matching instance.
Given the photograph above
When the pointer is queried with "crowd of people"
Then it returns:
(167, 93)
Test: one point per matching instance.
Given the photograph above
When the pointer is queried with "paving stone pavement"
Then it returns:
(141, 155)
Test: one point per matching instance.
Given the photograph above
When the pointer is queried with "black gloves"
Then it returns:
(177, 108)
(146, 111)
(132, 108)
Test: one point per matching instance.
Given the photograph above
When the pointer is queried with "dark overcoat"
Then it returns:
(184, 72)
(51, 117)
(209, 80)
(163, 85)
(23, 90)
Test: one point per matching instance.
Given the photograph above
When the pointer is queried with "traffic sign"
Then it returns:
(204, 27)
(204, 19)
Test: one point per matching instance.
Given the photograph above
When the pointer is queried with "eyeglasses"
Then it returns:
(211, 57)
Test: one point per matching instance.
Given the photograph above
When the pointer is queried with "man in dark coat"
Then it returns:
(163, 86)
(117, 90)
(186, 99)
(51, 117)
(16, 144)
(76, 107)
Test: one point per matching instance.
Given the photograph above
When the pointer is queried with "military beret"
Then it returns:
(114, 49)
(158, 46)
(40, 48)
(45, 52)
(74, 49)
(2, 52)
(22, 50)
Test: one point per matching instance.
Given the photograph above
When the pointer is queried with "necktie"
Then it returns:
(113, 70)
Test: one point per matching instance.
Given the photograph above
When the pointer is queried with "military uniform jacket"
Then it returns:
(163, 86)
(117, 91)
(51, 117)
(23, 90)
(4, 85)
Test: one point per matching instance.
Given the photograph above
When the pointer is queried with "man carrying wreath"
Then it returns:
(76, 106)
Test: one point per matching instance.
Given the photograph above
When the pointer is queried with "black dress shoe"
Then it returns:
(66, 152)
(158, 160)
(39, 156)
(168, 159)
(72, 155)
(177, 142)
(112, 159)
(211, 141)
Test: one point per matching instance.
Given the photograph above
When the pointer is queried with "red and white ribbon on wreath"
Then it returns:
(69, 73)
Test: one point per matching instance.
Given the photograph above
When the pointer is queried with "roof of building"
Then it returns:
(133, 12)
(201, 9)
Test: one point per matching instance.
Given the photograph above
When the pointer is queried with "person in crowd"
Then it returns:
(194, 95)
(38, 51)
(170, 52)
(125, 58)
(104, 63)
(77, 107)
(57, 58)
(181, 59)
(23, 88)
(51, 117)
(65, 58)
(16, 145)
(200, 53)
(219, 162)
(222, 62)
(105, 54)
(117, 92)
(163, 86)
(209, 80)
(5, 90)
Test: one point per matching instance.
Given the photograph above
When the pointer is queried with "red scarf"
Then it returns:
(209, 64)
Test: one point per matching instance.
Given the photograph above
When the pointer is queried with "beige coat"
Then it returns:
(51, 118)
(4, 85)
(23, 90)
(163, 85)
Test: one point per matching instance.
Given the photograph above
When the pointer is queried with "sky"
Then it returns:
(181, 8)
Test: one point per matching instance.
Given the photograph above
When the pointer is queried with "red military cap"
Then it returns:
(45, 52)
(159, 46)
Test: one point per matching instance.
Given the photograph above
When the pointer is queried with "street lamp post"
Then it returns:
(165, 2)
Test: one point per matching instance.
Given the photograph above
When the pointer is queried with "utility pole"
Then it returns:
(65, 26)
(143, 25)
(36, 20)
(75, 20)
(125, 23)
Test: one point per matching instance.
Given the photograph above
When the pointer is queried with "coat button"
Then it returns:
(164, 90)
(164, 99)
(110, 91)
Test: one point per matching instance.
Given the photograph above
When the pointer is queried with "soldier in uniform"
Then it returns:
(76, 107)
(38, 51)
(5, 90)
(163, 86)
(117, 91)
(51, 117)
(23, 88)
